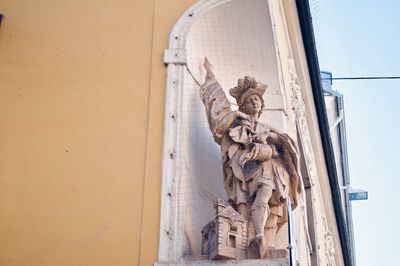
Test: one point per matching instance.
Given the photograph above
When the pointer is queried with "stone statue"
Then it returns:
(260, 164)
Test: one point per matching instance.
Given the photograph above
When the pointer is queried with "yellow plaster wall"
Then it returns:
(81, 108)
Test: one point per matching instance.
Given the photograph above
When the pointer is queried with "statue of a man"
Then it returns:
(260, 164)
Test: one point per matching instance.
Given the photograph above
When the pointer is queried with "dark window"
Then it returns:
(232, 241)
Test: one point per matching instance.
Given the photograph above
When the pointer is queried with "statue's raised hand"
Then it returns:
(209, 72)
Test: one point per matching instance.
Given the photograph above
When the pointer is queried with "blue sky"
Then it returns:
(362, 38)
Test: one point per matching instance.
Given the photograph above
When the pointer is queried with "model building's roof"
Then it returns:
(230, 213)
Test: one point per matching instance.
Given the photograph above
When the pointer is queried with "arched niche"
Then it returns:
(239, 39)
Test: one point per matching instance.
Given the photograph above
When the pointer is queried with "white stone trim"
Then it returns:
(168, 169)
(177, 38)
(175, 56)
(305, 113)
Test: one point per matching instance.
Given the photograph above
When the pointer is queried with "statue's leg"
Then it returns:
(241, 200)
(260, 210)
(270, 231)
(242, 209)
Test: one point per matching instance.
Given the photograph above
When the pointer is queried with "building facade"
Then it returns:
(105, 159)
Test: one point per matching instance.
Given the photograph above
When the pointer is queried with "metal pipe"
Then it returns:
(291, 245)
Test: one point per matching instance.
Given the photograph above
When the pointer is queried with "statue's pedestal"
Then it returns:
(254, 251)
(251, 262)
(267, 262)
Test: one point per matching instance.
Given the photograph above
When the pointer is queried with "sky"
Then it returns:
(362, 38)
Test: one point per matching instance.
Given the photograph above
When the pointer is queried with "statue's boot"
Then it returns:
(254, 249)
(268, 243)
(270, 231)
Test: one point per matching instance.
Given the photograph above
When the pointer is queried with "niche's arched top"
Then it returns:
(177, 38)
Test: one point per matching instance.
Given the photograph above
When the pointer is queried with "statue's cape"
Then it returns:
(289, 154)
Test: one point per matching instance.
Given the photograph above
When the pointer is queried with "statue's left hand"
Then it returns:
(243, 116)
(260, 138)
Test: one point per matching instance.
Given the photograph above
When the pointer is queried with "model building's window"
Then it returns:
(233, 227)
(232, 241)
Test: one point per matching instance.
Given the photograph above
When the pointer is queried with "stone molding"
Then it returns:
(299, 111)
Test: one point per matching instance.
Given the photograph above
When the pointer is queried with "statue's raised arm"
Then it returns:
(218, 108)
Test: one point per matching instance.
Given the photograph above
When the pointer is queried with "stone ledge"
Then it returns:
(267, 262)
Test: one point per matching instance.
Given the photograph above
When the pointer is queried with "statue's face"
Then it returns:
(252, 105)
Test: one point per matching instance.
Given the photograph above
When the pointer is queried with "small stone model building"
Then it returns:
(225, 237)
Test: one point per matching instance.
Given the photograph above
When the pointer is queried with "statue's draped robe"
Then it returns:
(270, 164)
